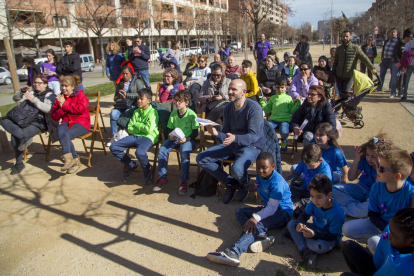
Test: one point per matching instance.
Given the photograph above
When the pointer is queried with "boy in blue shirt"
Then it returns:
(388, 195)
(312, 164)
(256, 221)
(411, 177)
(394, 254)
(325, 232)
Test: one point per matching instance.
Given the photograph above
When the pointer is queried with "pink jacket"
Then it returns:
(163, 93)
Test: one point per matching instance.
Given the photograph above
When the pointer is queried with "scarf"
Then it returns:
(172, 91)
(193, 65)
(327, 67)
(232, 70)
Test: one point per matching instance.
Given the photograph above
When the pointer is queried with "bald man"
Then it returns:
(241, 140)
(216, 60)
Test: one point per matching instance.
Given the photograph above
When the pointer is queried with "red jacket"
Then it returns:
(74, 109)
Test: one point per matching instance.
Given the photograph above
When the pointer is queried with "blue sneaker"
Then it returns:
(128, 171)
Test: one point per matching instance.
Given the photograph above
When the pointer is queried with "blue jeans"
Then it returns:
(276, 221)
(317, 246)
(66, 135)
(142, 143)
(283, 129)
(243, 156)
(55, 86)
(185, 150)
(145, 77)
(410, 71)
(308, 137)
(360, 230)
(115, 114)
(384, 66)
(353, 199)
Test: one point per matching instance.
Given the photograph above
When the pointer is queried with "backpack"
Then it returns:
(406, 58)
(23, 114)
(205, 186)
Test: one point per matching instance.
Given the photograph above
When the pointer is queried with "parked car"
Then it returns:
(154, 55)
(196, 50)
(87, 62)
(22, 73)
(236, 45)
(5, 76)
(187, 52)
(379, 42)
(210, 50)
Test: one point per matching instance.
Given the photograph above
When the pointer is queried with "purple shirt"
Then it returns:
(299, 88)
(52, 68)
(262, 48)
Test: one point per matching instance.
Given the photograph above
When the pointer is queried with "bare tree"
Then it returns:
(256, 11)
(189, 23)
(338, 25)
(201, 24)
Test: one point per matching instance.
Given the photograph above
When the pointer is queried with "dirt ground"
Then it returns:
(93, 223)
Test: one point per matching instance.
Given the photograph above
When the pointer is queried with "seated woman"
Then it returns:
(189, 68)
(267, 75)
(316, 109)
(214, 94)
(324, 74)
(171, 85)
(126, 94)
(72, 107)
(40, 100)
(299, 87)
(200, 74)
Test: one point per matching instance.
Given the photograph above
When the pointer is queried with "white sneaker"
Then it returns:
(262, 245)
(392, 97)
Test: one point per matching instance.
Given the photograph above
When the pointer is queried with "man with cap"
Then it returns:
(138, 55)
(69, 64)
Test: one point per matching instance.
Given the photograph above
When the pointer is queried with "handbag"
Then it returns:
(123, 104)
(23, 114)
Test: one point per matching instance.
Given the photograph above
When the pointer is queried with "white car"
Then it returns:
(154, 55)
(22, 72)
(5, 76)
(196, 50)
(187, 52)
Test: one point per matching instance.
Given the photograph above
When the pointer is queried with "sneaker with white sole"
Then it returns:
(283, 147)
(224, 257)
(262, 244)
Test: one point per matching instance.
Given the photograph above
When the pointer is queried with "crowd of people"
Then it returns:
(295, 96)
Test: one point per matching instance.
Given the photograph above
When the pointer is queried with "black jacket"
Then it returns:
(398, 50)
(304, 54)
(323, 113)
(139, 61)
(374, 50)
(70, 65)
(266, 77)
(35, 71)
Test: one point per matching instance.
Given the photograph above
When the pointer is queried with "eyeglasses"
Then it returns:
(167, 77)
(38, 82)
(201, 60)
(216, 75)
(381, 169)
(304, 69)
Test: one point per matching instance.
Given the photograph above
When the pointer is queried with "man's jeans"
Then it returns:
(276, 221)
(145, 77)
(360, 230)
(185, 150)
(283, 129)
(244, 156)
(317, 246)
(353, 199)
(115, 114)
(142, 143)
(410, 71)
(344, 86)
(66, 135)
(384, 66)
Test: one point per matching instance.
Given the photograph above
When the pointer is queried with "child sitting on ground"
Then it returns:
(253, 91)
(394, 254)
(143, 130)
(184, 119)
(389, 194)
(353, 197)
(312, 164)
(325, 232)
(256, 221)
(290, 70)
(281, 108)
(325, 138)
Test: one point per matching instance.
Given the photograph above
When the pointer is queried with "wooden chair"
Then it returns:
(292, 143)
(26, 151)
(102, 120)
(157, 97)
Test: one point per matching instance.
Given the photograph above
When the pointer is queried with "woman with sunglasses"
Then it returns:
(371, 51)
(171, 84)
(301, 83)
(316, 109)
(37, 106)
(214, 94)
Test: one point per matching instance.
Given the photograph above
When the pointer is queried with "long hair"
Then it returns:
(116, 47)
(55, 57)
(29, 60)
(318, 89)
(327, 129)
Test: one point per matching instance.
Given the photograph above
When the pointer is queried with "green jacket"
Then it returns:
(346, 60)
(144, 123)
(281, 107)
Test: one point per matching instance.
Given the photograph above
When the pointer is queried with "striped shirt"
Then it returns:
(389, 48)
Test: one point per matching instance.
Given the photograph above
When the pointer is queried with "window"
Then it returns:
(27, 18)
(180, 10)
(62, 21)
(168, 24)
(167, 8)
(85, 59)
(127, 3)
(90, 58)
(2, 70)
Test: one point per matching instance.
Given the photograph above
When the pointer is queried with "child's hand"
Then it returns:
(308, 233)
(299, 227)
(182, 141)
(358, 153)
(173, 138)
(250, 226)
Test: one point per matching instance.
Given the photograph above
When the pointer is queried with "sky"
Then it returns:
(313, 10)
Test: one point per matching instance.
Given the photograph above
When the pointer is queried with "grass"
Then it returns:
(377, 60)
(156, 77)
(6, 108)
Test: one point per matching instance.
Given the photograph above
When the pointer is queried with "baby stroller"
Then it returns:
(351, 112)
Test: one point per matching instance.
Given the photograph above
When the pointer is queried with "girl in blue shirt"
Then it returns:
(332, 153)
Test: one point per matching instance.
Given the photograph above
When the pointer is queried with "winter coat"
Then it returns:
(74, 109)
(132, 93)
(208, 89)
(266, 77)
(283, 63)
(324, 75)
(346, 60)
(31, 72)
(139, 61)
(374, 50)
(252, 84)
(285, 71)
(323, 114)
(304, 55)
(144, 123)
(70, 65)
(178, 57)
(298, 88)
(397, 52)
(113, 65)
(163, 93)
(224, 55)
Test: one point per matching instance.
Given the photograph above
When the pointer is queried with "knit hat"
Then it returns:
(271, 57)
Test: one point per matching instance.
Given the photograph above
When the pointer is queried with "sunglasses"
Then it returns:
(216, 75)
(381, 169)
(304, 69)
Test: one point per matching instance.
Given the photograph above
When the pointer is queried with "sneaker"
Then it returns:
(229, 195)
(262, 244)
(310, 257)
(128, 171)
(160, 182)
(17, 168)
(283, 147)
(148, 174)
(242, 193)
(183, 188)
(24, 143)
(403, 99)
(224, 257)
(287, 234)
(392, 96)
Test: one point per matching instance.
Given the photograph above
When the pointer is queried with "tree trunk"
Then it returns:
(256, 30)
(36, 41)
(102, 58)
(90, 45)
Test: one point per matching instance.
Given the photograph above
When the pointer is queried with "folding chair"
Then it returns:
(292, 143)
(26, 151)
(157, 97)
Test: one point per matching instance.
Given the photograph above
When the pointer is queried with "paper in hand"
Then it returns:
(205, 122)
(301, 128)
(177, 133)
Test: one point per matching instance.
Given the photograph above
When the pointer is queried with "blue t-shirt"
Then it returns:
(335, 158)
(277, 188)
(409, 180)
(262, 49)
(330, 220)
(389, 261)
(387, 204)
(368, 175)
(308, 175)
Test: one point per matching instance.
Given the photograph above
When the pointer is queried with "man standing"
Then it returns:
(260, 50)
(69, 64)
(138, 55)
(391, 54)
(242, 139)
(345, 61)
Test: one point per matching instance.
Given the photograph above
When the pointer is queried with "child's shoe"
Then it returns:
(128, 171)
(160, 182)
(17, 168)
(224, 257)
(148, 174)
(183, 187)
(262, 244)
(283, 147)
(310, 257)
